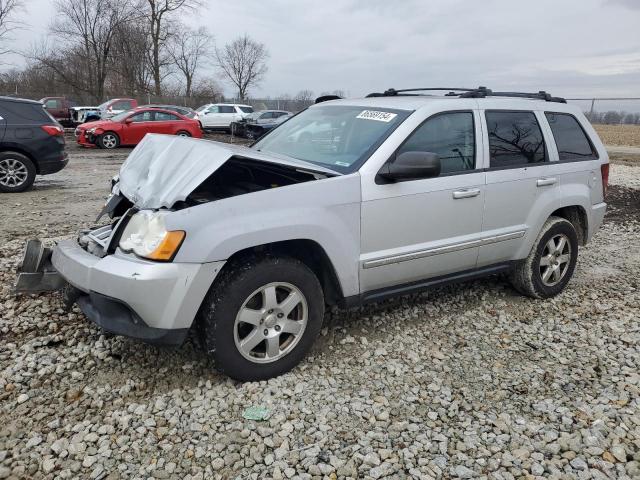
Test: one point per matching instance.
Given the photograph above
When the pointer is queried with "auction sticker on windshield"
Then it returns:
(378, 116)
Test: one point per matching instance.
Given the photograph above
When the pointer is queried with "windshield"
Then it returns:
(338, 137)
(246, 109)
(121, 116)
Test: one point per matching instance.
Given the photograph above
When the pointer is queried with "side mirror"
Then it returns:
(411, 166)
(128, 120)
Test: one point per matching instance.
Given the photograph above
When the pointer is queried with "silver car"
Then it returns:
(350, 201)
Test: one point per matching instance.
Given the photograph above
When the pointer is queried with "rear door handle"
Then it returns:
(472, 192)
(543, 182)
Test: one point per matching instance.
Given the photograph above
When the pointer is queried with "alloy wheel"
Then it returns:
(109, 140)
(270, 322)
(555, 260)
(13, 172)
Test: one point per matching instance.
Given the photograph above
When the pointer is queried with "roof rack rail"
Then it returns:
(480, 92)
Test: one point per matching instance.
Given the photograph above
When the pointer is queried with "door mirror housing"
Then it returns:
(411, 166)
(128, 120)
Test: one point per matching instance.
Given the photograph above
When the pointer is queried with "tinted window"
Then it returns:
(246, 109)
(515, 138)
(264, 116)
(52, 103)
(165, 117)
(571, 140)
(141, 117)
(123, 105)
(226, 109)
(451, 136)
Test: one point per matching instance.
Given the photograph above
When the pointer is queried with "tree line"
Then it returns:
(98, 48)
(614, 117)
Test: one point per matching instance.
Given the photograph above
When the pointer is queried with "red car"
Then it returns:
(128, 128)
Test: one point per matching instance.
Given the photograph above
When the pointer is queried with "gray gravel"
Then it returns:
(466, 381)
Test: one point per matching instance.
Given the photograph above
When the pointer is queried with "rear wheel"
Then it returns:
(17, 172)
(108, 140)
(261, 317)
(551, 263)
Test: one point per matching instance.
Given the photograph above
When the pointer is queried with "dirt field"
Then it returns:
(626, 135)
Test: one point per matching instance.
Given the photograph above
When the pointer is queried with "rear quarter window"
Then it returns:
(24, 113)
(570, 137)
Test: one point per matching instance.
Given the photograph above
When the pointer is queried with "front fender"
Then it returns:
(325, 211)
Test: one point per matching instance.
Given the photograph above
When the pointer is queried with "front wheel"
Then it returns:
(261, 317)
(183, 133)
(108, 140)
(551, 262)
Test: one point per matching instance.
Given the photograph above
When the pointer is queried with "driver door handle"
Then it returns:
(471, 192)
(543, 182)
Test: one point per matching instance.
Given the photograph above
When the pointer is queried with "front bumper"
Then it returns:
(151, 301)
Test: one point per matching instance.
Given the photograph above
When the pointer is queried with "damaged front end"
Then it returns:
(106, 270)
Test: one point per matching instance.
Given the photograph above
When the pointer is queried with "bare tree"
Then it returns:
(243, 61)
(188, 51)
(86, 29)
(158, 17)
(130, 69)
(304, 96)
(8, 11)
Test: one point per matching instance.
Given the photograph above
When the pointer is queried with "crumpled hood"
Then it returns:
(165, 169)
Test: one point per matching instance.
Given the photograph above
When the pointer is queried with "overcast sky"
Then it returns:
(568, 47)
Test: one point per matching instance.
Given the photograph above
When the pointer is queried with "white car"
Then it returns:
(222, 115)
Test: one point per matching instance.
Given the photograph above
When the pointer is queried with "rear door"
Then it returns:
(227, 115)
(521, 182)
(167, 123)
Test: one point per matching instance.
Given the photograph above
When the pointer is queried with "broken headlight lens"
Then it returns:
(146, 236)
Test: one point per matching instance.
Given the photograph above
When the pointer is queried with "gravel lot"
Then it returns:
(460, 382)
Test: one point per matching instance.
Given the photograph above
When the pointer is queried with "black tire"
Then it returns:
(104, 140)
(17, 172)
(527, 275)
(183, 133)
(228, 294)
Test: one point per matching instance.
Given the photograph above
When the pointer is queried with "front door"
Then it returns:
(134, 131)
(211, 117)
(419, 229)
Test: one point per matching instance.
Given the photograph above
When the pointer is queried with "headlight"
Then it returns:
(146, 236)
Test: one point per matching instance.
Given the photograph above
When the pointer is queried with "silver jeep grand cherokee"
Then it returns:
(350, 201)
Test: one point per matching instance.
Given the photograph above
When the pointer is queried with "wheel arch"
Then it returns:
(15, 149)
(308, 252)
(577, 215)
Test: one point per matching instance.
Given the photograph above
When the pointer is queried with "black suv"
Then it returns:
(31, 143)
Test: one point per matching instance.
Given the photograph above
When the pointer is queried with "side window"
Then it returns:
(142, 117)
(165, 117)
(572, 142)
(123, 105)
(214, 109)
(52, 103)
(515, 139)
(451, 135)
(266, 115)
(226, 109)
